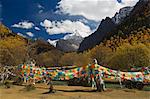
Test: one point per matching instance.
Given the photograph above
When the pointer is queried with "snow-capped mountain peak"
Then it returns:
(52, 42)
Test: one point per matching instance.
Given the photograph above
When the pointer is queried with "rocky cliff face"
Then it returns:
(124, 12)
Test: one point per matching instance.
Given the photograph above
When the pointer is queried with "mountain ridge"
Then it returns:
(135, 19)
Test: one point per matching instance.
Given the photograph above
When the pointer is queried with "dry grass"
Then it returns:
(71, 92)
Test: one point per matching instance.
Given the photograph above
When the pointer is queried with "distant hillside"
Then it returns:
(15, 49)
(4, 31)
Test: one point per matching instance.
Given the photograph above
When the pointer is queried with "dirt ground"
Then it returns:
(71, 92)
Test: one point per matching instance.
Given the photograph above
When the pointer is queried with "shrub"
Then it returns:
(130, 55)
(79, 59)
(101, 53)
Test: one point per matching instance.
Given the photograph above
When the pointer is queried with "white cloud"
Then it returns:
(66, 26)
(30, 34)
(40, 6)
(46, 23)
(24, 25)
(93, 9)
(40, 11)
(37, 28)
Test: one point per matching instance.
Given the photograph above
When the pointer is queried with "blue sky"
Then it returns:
(54, 19)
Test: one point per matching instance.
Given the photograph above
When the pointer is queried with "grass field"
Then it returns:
(73, 92)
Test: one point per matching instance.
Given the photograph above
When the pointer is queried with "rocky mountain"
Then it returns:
(138, 18)
(69, 43)
(104, 29)
(128, 19)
